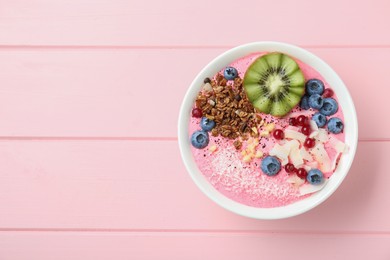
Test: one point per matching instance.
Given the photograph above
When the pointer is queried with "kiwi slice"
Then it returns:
(274, 84)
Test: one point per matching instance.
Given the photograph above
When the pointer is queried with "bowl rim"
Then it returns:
(332, 78)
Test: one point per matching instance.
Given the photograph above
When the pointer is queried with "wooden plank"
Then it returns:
(137, 93)
(139, 185)
(167, 23)
(99, 246)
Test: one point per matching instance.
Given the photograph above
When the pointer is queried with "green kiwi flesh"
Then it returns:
(274, 84)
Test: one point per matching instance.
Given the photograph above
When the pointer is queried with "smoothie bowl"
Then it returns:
(267, 130)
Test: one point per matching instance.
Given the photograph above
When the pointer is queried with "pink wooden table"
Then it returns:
(89, 98)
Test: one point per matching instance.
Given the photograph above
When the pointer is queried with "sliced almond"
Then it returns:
(259, 154)
(247, 158)
(269, 127)
(213, 148)
(264, 133)
(254, 129)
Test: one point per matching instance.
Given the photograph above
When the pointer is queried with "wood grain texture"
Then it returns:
(137, 93)
(191, 246)
(195, 23)
(86, 174)
(142, 185)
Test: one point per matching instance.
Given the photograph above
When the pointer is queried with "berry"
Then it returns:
(305, 102)
(197, 112)
(207, 124)
(315, 176)
(329, 107)
(316, 101)
(200, 139)
(289, 168)
(314, 86)
(306, 130)
(320, 119)
(328, 93)
(278, 134)
(270, 165)
(292, 121)
(335, 125)
(230, 73)
(301, 173)
(302, 120)
(309, 143)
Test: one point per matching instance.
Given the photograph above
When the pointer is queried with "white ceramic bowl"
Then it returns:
(350, 124)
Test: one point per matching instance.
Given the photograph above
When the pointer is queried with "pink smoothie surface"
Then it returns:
(245, 182)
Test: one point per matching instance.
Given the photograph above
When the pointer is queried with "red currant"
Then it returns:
(306, 130)
(289, 168)
(292, 121)
(301, 173)
(278, 134)
(302, 120)
(309, 143)
(197, 112)
(328, 93)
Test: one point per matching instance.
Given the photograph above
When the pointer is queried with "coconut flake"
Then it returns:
(293, 128)
(281, 152)
(322, 135)
(296, 158)
(305, 154)
(335, 161)
(289, 145)
(338, 145)
(314, 129)
(313, 134)
(322, 157)
(312, 165)
(308, 188)
(291, 134)
(313, 125)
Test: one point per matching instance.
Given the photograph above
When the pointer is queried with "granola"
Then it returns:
(228, 105)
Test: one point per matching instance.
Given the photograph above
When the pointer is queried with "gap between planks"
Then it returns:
(125, 138)
(182, 47)
(199, 231)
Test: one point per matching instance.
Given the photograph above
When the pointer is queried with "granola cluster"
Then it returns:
(227, 104)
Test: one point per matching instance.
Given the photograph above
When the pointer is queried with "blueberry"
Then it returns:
(230, 73)
(207, 124)
(270, 165)
(315, 176)
(314, 86)
(320, 119)
(305, 102)
(329, 107)
(316, 101)
(200, 139)
(335, 125)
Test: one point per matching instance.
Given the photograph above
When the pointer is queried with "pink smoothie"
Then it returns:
(245, 182)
